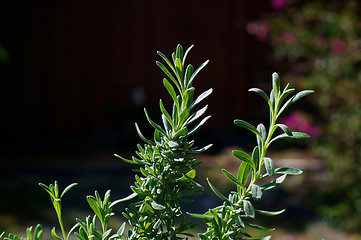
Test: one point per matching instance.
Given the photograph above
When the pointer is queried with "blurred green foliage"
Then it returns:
(4, 56)
(319, 42)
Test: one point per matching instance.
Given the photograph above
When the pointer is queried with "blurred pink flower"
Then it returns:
(299, 122)
(337, 46)
(288, 37)
(278, 4)
(259, 30)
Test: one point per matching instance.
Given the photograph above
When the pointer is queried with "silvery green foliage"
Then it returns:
(167, 173)
(229, 220)
(56, 196)
(36, 235)
(86, 230)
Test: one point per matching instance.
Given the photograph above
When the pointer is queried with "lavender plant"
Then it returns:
(167, 176)
(229, 220)
(88, 230)
(30, 235)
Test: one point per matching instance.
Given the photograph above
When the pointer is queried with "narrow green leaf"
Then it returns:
(288, 170)
(167, 125)
(183, 116)
(167, 61)
(188, 97)
(218, 193)
(186, 54)
(293, 99)
(38, 232)
(276, 83)
(53, 233)
(141, 135)
(247, 126)
(131, 196)
(201, 97)
(188, 74)
(156, 126)
(138, 161)
(260, 227)
(232, 178)
(274, 183)
(181, 133)
(47, 189)
(94, 206)
(248, 209)
(202, 216)
(166, 114)
(196, 115)
(272, 99)
(285, 129)
(179, 52)
(243, 172)
(188, 176)
(269, 165)
(179, 69)
(255, 156)
(78, 236)
(263, 94)
(196, 72)
(68, 188)
(244, 157)
(300, 135)
(194, 150)
(197, 126)
(295, 135)
(121, 229)
(269, 213)
(28, 233)
(171, 92)
(262, 130)
(157, 206)
(285, 94)
(175, 114)
(256, 192)
(71, 230)
(165, 70)
(262, 238)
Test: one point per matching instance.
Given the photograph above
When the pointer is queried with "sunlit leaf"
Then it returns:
(288, 170)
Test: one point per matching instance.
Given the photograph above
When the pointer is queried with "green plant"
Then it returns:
(103, 212)
(229, 220)
(53, 191)
(36, 235)
(167, 174)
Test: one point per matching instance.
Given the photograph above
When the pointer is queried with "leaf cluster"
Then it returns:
(36, 235)
(167, 174)
(229, 220)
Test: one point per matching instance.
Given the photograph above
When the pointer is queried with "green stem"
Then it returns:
(62, 226)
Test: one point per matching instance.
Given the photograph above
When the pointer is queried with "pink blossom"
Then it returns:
(259, 30)
(278, 4)
(288, 37)
(298, 122)
(337, 46)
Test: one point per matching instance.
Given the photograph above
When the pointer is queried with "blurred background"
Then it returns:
(76, 75)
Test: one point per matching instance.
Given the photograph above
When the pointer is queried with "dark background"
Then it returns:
(74, 65)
